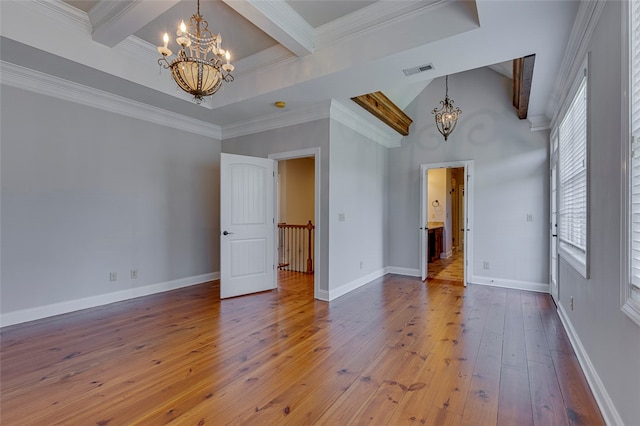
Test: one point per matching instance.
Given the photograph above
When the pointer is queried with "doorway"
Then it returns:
(445, 221)
(297, 211)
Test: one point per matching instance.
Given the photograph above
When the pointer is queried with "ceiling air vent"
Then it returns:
(416, 70)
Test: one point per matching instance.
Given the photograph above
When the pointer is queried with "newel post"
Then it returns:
(309, 260)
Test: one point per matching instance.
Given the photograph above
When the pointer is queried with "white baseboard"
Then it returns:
(608, 410)
(39, 312)
(515, 284)
(403, 271)
(346, 288)
(446, 255)
(323, 295)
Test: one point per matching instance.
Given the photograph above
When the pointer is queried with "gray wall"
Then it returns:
(86, 192)
(510, 178)
(292, 138)
(609, 337)
(358, 190)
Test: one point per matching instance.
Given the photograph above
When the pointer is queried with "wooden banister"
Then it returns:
(295, 245)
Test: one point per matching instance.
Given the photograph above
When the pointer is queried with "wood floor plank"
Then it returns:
(581, 406)
(514, 404)
(535, 338)
(396, 351)
(513, 348)
(548, 405)
(481, 406)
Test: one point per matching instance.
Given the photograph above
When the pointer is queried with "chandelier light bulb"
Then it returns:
(165, 39)
(183, 28)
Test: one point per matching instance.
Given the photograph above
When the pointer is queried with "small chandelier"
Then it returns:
(198, 67)
(446, 117)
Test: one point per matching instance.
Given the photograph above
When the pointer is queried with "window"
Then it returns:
(631, 221)
(572, 169)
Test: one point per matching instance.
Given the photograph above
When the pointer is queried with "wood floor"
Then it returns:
(448, 269)
(396, 351)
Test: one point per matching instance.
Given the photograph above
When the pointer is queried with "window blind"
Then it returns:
(635, 151)
(572, 163)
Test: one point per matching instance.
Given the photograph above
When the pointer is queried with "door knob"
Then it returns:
(227, 233)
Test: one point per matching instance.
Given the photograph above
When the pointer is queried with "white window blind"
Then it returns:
(635, 152)
(572, 163)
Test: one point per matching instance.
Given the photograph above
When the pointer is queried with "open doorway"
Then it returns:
(296, 205)
(445, 221)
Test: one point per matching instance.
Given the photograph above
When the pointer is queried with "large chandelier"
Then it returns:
(198, 67)
(446, 117)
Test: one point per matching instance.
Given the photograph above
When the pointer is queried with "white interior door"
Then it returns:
(424, 213)
(247, 225)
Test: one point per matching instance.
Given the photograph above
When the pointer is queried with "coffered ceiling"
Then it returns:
(304, 52)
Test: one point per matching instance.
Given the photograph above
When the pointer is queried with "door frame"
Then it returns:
(467, 208)
(554, 281)
(291, 155)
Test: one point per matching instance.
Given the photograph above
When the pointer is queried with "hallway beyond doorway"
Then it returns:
(451, 269)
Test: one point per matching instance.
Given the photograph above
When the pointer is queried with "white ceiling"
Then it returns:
(304, 52)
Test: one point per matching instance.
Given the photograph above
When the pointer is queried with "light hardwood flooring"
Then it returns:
(396, 351)
(451, 269)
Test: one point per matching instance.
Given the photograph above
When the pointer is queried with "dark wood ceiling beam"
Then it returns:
(522, 77)
(385, 110)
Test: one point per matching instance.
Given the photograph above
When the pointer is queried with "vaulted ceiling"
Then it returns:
(304, 52)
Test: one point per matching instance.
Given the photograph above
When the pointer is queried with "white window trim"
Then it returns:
(629, 306)
(575, 257)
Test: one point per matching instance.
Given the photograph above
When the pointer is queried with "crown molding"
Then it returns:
(377, 132)
(139, 48)
(107, 12)
(41, 83)
(539, 122)
(60, 11)
(371, 18)
(263, 60)
(574, 55)
(276, 121)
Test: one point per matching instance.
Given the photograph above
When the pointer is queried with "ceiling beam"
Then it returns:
(385, 110)
(114, 21)
(522, 77)
(280, 21)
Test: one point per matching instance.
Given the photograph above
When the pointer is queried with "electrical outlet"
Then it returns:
(572, 303)
(361, 264)
(113, 276)
(134, 274)
(485, 265)
(341, 217)
(529, 217)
